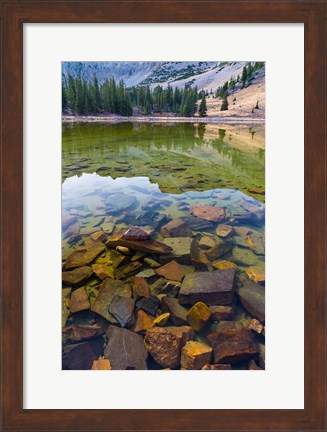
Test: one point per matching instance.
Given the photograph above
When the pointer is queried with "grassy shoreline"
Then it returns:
(168, 119)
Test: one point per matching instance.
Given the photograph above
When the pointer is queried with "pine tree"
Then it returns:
(203, 107)
(244, 75)
(71, 93)
(64, 99)
(224, 105)
(257, 105)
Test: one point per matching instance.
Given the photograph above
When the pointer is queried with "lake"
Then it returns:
(202, 184)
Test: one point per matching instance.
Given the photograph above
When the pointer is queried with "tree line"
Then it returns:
(82, 97)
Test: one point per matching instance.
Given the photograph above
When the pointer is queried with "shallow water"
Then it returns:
(119, 175)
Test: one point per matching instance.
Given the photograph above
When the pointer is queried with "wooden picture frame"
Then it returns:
(14, 15)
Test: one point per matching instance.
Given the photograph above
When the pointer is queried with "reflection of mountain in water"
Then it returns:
(176, 156)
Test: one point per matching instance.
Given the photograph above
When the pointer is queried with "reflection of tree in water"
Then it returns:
(201, 131)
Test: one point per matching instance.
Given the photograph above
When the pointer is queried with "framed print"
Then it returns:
(163, 215)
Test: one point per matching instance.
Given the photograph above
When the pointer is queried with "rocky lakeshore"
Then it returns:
(145, 287)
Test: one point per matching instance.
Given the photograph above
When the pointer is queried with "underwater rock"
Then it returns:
(212, 288)
(207, 242)
(150, 246)
(84, 255)
(142, 322)
(244, 257)
(118, 259)
(78, 332)
(223, 265)
(162, 286)
(147, 274)
(86, 231)
(197, 224)
(72, 231)
(108, 289)
(221, 313)
(135, 233)
(217, 367)
(76, 276)
(149, 304)
(124, 250)
(252, 298)
(140, 287)
(180, 247)
(172, 271)
(195, 355)
(125, 349)
(108, 225)
(256, 326)
(198, 316)
(101, 364)
(256, 243)
(151, 262)
(122, 309)
(79, 300)
(224, 230)
(221, 247)
(99, 235)
(127, 270)
(161, 320)
(120, 202)
(80, 356)
(233, 346)
(178, 313)
(212, 214)
(176, 228)
(255, 274)
(165, 344)
(103, 271)
(199, 258)
(68, 220)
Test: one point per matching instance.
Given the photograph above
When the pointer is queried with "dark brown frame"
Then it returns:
(14, 15)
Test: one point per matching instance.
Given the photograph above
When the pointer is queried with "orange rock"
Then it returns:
(103, 271)
(142, 322)
(224, 230)
(222, 265)
(172, 271)
(213, 214)
(101, 364)
(198, 316)
(255, 274)
(79, 300)
(140, 287)
(99, 235)
(195, 355)
(256, 326)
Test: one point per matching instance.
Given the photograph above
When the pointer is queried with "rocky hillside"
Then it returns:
(204, 75)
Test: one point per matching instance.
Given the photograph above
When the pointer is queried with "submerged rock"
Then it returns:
(79, 301)
(162, 286)
(244, 256)
(79, 332)
(140, 287)
(149, 304)
(135, 233)
(172, 271)
(221, 313)
(150, 246)
(178, 313)
(223, 265)
(195, 355)
(213, 288)
(67, 221)
(256, 243)
(127, 270)
(125, 349)
(84, 255)
(80, 356)
(221, 247)
(108, 289)
(255, 274)
(120, 202)
(224, 230)
(196, 223)
(122, 309)
(161, 320)
(103, 271)
(99, 235)
(76, 276)
(256, 326)
(176, 228)
(233, 346)
(165, 344)
(142, 322)
(217, 367)
(198, 316)
(180, 247)
(212, 214)
(101, 364)
(252, 298)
